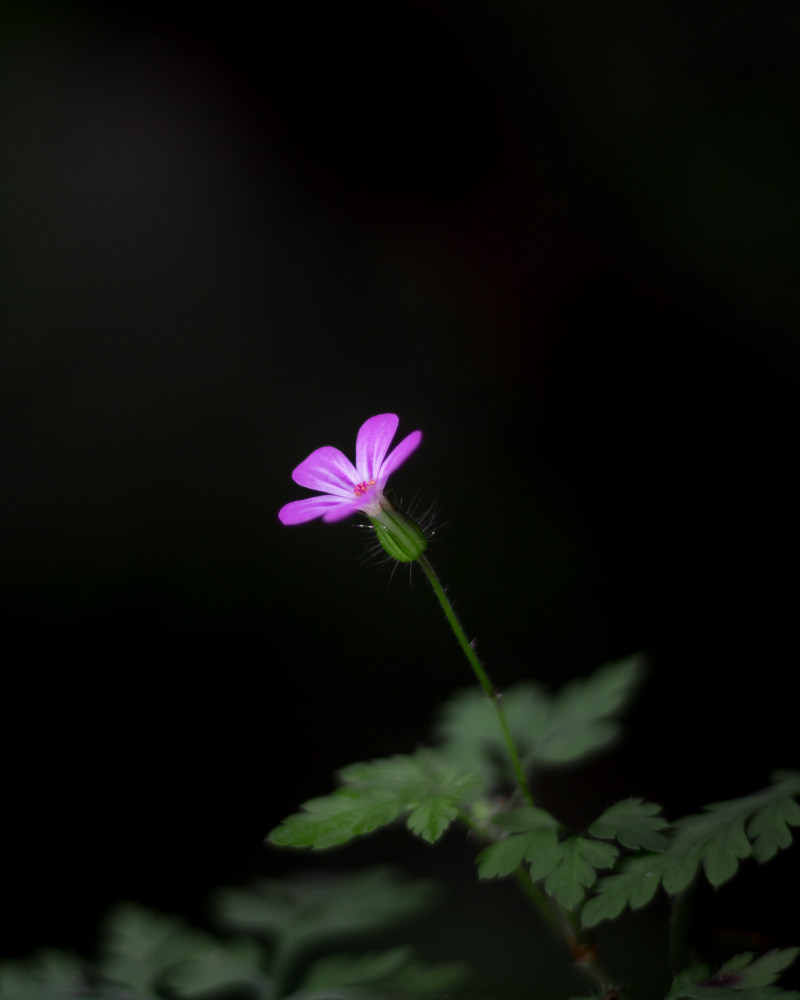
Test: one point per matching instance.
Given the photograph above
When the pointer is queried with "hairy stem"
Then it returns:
(679, 928)
(483, 678)
(565, 923)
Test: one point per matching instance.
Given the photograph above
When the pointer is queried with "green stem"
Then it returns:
(563, 922)
(493, 695)
(679, 928)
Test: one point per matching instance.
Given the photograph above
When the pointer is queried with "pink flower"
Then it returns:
(344, 487)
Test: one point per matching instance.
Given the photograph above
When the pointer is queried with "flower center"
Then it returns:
(363, 488)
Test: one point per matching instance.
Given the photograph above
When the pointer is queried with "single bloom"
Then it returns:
(345, 488)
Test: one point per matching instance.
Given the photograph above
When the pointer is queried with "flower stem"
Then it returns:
(563, 922)
(483, 678)
(679, 928)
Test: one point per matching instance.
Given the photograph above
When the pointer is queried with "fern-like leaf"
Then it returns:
(374, 794)
(741, 978)
(46, 974)
(570, 867)
(567, 867)
(634, 823)
(548, 729)
(532, 832)
(716, 839)
(396, 972)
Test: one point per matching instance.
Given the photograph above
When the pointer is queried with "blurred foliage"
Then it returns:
(299, 926)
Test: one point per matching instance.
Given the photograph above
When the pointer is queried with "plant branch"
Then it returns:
(483, 678)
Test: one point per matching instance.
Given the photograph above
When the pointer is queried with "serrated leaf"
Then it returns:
(355, 970)
(396, 968)
(717, 839)
(582, 715)
(741, 978)
(525, 819)
(696, 973)
(569, 867)
(769, 828)
(332, 820)
(634, 885)
(219, 966)
(470, 732)
(304, 913)
(718, 835)
(431, 819)
(533, 831)
(141, 947)
(764, 970)
(634, 823)
(375, 793)
(502, 858)
(577, 721)
(46, 974)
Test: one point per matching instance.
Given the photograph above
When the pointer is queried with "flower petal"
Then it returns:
(328, 471)
(341, 511)
(373, 442)
(299, 511)
(398, 455)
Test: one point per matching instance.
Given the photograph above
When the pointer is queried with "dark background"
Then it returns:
(562, 240)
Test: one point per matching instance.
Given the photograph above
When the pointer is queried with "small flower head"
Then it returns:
(345, 488)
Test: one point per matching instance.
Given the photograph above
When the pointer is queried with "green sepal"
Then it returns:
(401, 537)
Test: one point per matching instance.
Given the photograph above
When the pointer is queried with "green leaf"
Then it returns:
(430, 819)
(582, 717)
(141, 947)
(334, 819)
(502, 858)
(764, 970)
(46, 974)
(716, 839)
(569, 867)
(634, 823)
(219, 966)
(634, 886)
(719, 838)
(375, 793)
(471, 736)
(524, 819)
(145, 952)
(309, 912)
(534, 832)
(356, 970)
(396, 970)
(568, 726)
(686, 978)
(741, 978)
(769, 828)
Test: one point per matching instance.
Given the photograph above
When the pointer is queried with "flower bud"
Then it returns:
(399, 535)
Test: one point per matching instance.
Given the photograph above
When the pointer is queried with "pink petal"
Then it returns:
(396, 457)
(328, 471)
(299, 511)
(373, 442)
(340, 512)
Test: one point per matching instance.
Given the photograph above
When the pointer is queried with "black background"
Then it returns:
(562, 240)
